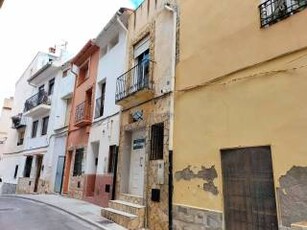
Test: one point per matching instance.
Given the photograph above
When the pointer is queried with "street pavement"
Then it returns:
(74, 210)
(21, 214)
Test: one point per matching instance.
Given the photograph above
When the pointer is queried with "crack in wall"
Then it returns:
(206, 174)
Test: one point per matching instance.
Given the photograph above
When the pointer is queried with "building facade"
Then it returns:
(84, 66)
(144, 93)
(19, 135)
(104, 131)
(40, 110)
(240, 123)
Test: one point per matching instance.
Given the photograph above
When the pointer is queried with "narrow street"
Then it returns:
(16, 214)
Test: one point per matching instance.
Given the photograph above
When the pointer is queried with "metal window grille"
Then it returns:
(78, 162)
(157, 141)
(28, 166)
(273, 11)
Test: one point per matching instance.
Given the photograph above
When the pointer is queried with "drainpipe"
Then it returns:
(122, 25)
(171, 126)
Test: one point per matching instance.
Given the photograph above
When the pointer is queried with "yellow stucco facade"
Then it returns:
(238, 85)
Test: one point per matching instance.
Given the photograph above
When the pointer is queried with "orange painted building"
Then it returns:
(85, 65)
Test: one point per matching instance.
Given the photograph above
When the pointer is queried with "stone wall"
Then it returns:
(185, 217)
(8, 188)
(25, 185)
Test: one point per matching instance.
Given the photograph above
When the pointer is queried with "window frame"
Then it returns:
(44, 125)
(51, 85)
(34, 130)
(157, 142)
(77, 170)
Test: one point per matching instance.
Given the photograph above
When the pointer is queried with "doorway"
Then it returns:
(67, 172)
(39, 161)
(248, 187)
(59, 174)
(137, 163)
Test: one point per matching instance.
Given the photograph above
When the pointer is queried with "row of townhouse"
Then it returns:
(179, 115)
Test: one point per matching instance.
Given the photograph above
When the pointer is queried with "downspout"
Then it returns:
(172, 109)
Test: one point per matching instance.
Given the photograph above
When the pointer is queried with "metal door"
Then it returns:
(137, 161)
(59, 174)
(248, 187)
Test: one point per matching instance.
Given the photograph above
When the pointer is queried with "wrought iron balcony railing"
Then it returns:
(40, 98)
(273, 11)
(99, 107)
(83, 112)
(18, 121)
(135, 79)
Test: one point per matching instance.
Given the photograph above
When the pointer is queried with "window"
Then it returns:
(41, 88)
(78, 162)
(21, 135)
(273, 11)
(16, 171)
(157, 141)
(83, 73)
(112, 158)
(51, 87)
(100, 101)
(141, 58)
(28, 166)
(45, 125)
(34, 129)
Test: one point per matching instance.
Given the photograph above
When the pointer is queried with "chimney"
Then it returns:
(52, 50)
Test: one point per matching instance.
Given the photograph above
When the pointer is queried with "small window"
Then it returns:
(45, 125)
(41, 88)
(34, 129)
(78, 162)
(51, 87)
(28, 166)
(16, 171)
(112, 158)
(21, 135)
(157, 141)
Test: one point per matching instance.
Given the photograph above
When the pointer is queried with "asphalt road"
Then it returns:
(20, 214)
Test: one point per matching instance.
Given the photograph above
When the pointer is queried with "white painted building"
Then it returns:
(104, 132)
(39, 114)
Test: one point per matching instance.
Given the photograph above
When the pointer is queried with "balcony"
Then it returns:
(135, 85)
(273, 11)
(99, 107)
(83, 116)
(18, 121)
(37, 105)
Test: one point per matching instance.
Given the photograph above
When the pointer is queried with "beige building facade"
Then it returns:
(240, 116)
(144, 93)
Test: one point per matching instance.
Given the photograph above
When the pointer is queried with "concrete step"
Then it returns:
(135, 209)
(125, 219)
(131, 198)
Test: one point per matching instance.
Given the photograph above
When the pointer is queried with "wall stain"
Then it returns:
(206, 174)
(292, 195)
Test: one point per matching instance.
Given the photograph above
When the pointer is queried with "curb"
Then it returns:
(61, 209)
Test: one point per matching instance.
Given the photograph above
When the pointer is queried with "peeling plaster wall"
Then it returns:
(292, 195)
(260, 105)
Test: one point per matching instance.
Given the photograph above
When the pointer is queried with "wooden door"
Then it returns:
(39, 162)
(248, 187)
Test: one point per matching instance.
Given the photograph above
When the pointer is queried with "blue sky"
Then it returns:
(27, 27)
(136, 3)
